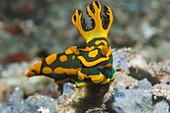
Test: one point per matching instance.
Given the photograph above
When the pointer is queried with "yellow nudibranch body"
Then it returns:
(86, 65)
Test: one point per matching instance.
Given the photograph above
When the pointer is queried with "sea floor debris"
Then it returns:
(125, 93)
(143, 71)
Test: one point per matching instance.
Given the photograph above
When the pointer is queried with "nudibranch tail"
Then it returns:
(34, 70)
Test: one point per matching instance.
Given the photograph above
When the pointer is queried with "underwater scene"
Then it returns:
(84, 56)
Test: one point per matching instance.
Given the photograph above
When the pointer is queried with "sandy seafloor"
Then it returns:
(139, 36)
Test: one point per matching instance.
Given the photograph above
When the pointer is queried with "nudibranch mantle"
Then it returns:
(86, 65)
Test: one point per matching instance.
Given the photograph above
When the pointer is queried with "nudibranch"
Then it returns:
(86, 65)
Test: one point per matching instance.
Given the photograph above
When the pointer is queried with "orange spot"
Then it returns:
(68, 51)
(81, 75)
(75, 51)
(108, 65)
(73, 57)
(47, 70)
(51, 58)
(63, 58)
(97, 78)
(100, 47)
(87, 48)
(105, 50)
(105, 81)
(92, 47)
(60, 70)
(93, 53)
(109, 52)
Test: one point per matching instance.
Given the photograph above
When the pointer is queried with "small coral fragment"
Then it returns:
(161, 90)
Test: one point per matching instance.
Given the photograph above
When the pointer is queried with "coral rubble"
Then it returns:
(132, 91)
(140, 34)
